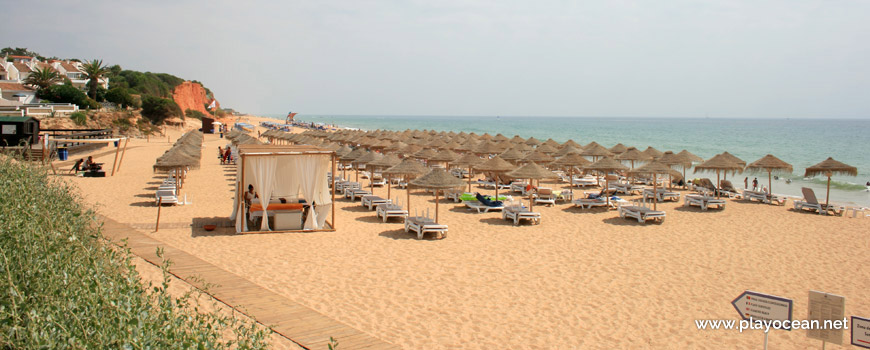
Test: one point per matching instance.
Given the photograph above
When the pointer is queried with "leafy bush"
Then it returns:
(191, 113)
(154, 84)
(123, 124)
(159, 109)
(120, 96)
(67, 94)
(80, 118)
(65, 288)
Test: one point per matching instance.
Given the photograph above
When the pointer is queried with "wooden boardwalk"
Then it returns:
(304, 326)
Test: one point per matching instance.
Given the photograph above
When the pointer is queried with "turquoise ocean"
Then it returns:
(800, 142)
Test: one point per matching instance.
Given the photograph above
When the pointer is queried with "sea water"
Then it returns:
(800, 142)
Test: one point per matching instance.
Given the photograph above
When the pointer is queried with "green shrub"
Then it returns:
(191, 113)
(158, 109)
(80, 118)
(121, 96)
(63, 287)
(67, 94)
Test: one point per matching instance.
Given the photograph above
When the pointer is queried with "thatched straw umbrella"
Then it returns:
(445, 156)
(500, 138)
(364, 161)
(386, 162)
(532, 141)
(595, 151)
(538, 157)
(407, 168)
(652, 153)
(691, 156)
(618, 149)
(732, 158)
(633, 155)
(653, 168)
(830, 167)
(424, 154)
(720, 163)
(672, 159)
(495, 165)
(512, 155)
(438, 179)
(567, 150)
(771, 164)
(518, 139)
(571, 143)
(571, 160)
(606, 165)
(532, 171)
(487, 148)
(468, 160)
(546, 148)
(349, 158)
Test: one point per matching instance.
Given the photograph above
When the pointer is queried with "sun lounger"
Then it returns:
(482, 208)
(372, 201)
(390, 210)
(585, 181)
(641, 212)
(589, 203)
(422, 225)
(354, 194)
(764, 197)
(165, 196)
(661, 195)
(519, 187)
(626, 188)
(378, 182)
(517, 213)
(455, 195)
(704, 201)
(809, 201)
(545, 196)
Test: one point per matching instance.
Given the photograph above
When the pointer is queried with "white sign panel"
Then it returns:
(764, 307)
(861, 332)
(826, 309)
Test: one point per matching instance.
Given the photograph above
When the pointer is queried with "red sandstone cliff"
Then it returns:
(191, 95)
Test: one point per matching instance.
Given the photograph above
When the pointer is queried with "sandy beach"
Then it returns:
(580, 279)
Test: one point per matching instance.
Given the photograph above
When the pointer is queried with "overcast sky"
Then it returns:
(677, 58)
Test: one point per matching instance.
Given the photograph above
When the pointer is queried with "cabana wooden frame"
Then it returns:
(248, 151)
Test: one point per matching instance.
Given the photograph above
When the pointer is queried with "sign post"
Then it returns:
(829, 310)
(754, 306)
(861, 332)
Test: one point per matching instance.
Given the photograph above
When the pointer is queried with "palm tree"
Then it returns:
(94, 71)
(43, 78)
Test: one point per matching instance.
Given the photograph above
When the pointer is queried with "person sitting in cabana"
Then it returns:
(77, 166)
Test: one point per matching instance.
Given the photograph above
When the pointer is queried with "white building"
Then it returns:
(15, 69)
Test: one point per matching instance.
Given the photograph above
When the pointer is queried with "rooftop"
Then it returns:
(23, 68)
(14, 87)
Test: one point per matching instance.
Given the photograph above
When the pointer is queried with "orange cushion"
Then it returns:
(278, 206)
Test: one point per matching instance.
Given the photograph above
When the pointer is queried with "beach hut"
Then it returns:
(15, 130)
(290, 182)
(208, 125)
(830, 167)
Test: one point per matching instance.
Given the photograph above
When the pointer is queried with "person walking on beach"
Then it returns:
(755, 184)
(746, 182)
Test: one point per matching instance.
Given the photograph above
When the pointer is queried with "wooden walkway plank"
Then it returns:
(303, 325)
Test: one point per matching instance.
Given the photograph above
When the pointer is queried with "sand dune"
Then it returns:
(581, 279)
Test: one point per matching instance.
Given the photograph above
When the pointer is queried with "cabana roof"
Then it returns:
(254, 150)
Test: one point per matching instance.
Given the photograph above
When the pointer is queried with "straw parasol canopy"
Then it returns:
(518, 139)
(571, 160)
(547, 148)
(532, 141)
(495, 165)
(500, 138)
(487, 147)
(633, 155)
(538, 157)
(691, 156)
(618, 149)
(652, 152)
(445, 156)
(438, 179)
(567, 150)
(571, 143)
(720, 163)
(653, 168)
(532, 171)
(595, 150)
(672, 159)
(605, 165)
(830, 167)
(468, 160)
(512, 154)
(424, 154)
(552, 143)
(407, 168)
(771, 164)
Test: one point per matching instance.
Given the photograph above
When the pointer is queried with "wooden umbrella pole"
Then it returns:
(436, 206)
(123, 152)
(159, 205)
(828, 194)
(769, 183)
(655, 192)
(606, 194)
(469, 178)
(115, 162)
(717, 184)
(408, 192)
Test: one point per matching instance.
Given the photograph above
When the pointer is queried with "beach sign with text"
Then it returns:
(826, 308)
(756, 306)
(861, 332)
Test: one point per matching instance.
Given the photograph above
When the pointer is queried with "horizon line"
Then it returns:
(565, 116)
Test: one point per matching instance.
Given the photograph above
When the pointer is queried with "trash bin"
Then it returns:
(222, 135)
(117, 143)
(62, 153)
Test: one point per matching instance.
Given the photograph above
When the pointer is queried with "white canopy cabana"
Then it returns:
(120, 150)
(292, 173)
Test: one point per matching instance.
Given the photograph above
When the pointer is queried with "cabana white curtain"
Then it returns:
(292, 177)
(264, 178)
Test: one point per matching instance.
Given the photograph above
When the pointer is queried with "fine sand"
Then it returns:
(581, 279)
